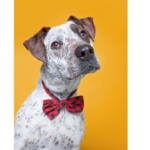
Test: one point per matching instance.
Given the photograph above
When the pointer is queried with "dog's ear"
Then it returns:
(89, 26)
(86, 23)
(76, 21)
(36, 45)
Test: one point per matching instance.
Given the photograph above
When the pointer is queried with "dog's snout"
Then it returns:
(84, 52)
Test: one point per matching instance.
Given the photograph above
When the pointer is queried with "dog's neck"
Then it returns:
(58, 85)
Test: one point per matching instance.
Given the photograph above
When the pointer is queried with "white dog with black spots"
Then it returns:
(68, 55)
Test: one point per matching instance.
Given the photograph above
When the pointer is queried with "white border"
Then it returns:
(6, 74)
(139, 75)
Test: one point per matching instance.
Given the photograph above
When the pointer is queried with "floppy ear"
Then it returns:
(89, 26)
(86, 23)
(36, 45)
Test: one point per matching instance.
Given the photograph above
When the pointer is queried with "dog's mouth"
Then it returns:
(88, 69)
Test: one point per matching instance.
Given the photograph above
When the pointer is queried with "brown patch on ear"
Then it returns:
(89, 26)
(75, 20)
(36, 45)
(86, 23)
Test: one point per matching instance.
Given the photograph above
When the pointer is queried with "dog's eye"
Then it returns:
(55, 45)
(83, 34)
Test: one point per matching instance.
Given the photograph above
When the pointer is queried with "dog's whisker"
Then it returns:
(101, 58)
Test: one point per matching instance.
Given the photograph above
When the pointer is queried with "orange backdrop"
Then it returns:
(105, 92)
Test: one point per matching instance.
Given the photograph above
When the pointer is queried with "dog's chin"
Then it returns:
(87, 70)
(91, 69)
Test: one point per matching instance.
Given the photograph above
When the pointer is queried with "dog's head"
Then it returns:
(67, 49)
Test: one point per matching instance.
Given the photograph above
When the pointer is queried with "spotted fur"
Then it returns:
(62, 75)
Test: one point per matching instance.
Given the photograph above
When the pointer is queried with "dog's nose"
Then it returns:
(84, 52)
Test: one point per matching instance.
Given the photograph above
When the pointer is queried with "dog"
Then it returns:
(68, 55)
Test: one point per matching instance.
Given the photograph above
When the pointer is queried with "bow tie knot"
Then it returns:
(52, 106)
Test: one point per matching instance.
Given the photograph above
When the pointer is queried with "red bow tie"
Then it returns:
(52, 106)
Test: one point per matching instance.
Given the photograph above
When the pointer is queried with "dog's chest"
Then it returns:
(33, 128)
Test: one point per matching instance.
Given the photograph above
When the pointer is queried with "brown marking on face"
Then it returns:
(36, 45)
(86, 23)
(77, 30)
(89, 26)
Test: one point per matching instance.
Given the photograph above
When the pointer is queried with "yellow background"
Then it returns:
(105, 92)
